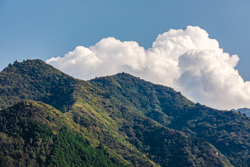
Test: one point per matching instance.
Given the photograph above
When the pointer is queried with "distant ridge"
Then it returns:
(243, 110)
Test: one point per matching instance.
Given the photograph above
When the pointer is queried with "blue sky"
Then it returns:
(43, 29)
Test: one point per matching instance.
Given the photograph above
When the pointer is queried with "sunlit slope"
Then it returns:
(45, 83)
(125, 130)
(35, 80)
(36, 134)
(114, 122)
(161, 103)
(228, 131)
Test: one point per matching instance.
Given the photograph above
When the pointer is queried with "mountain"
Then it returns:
(78, 100)
(35, 80)
(50, 118)
(228, 131)
(36, 134)
(244, 110)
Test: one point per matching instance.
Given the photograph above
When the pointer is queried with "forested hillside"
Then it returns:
(33, 79)
(36, 134)
(51, 119)
(228, 131)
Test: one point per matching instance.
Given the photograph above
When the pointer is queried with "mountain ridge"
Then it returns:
(139, 123)
(172, 110)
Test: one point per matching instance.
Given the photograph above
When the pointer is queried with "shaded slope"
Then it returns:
(161, 103)
(160, 144)
(244, 110)
(45, 83)
(130, 136)
(227, 130)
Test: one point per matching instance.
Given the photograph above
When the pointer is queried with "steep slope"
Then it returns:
(228, 131)
(130, 136)
(35, 80)
(36, 134)
(163, 104)
(160, 144)
(39, 81)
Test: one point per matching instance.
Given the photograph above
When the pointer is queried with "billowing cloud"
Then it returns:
(187, 60)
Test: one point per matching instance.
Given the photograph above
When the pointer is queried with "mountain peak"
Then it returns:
(125, 113)
(29, 66)
(35, 80)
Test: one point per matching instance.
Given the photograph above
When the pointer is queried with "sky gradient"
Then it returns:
(44, 29)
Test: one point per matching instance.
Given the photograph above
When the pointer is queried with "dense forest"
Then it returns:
(49, 118)
(228, 131)
(27, 141)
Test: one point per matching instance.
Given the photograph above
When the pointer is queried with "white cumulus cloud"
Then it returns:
(187, 60)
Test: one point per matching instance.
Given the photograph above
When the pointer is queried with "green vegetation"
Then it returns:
(51, 119)
(228, 131)
(73, 150)
(35, 80)
(25, 142)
